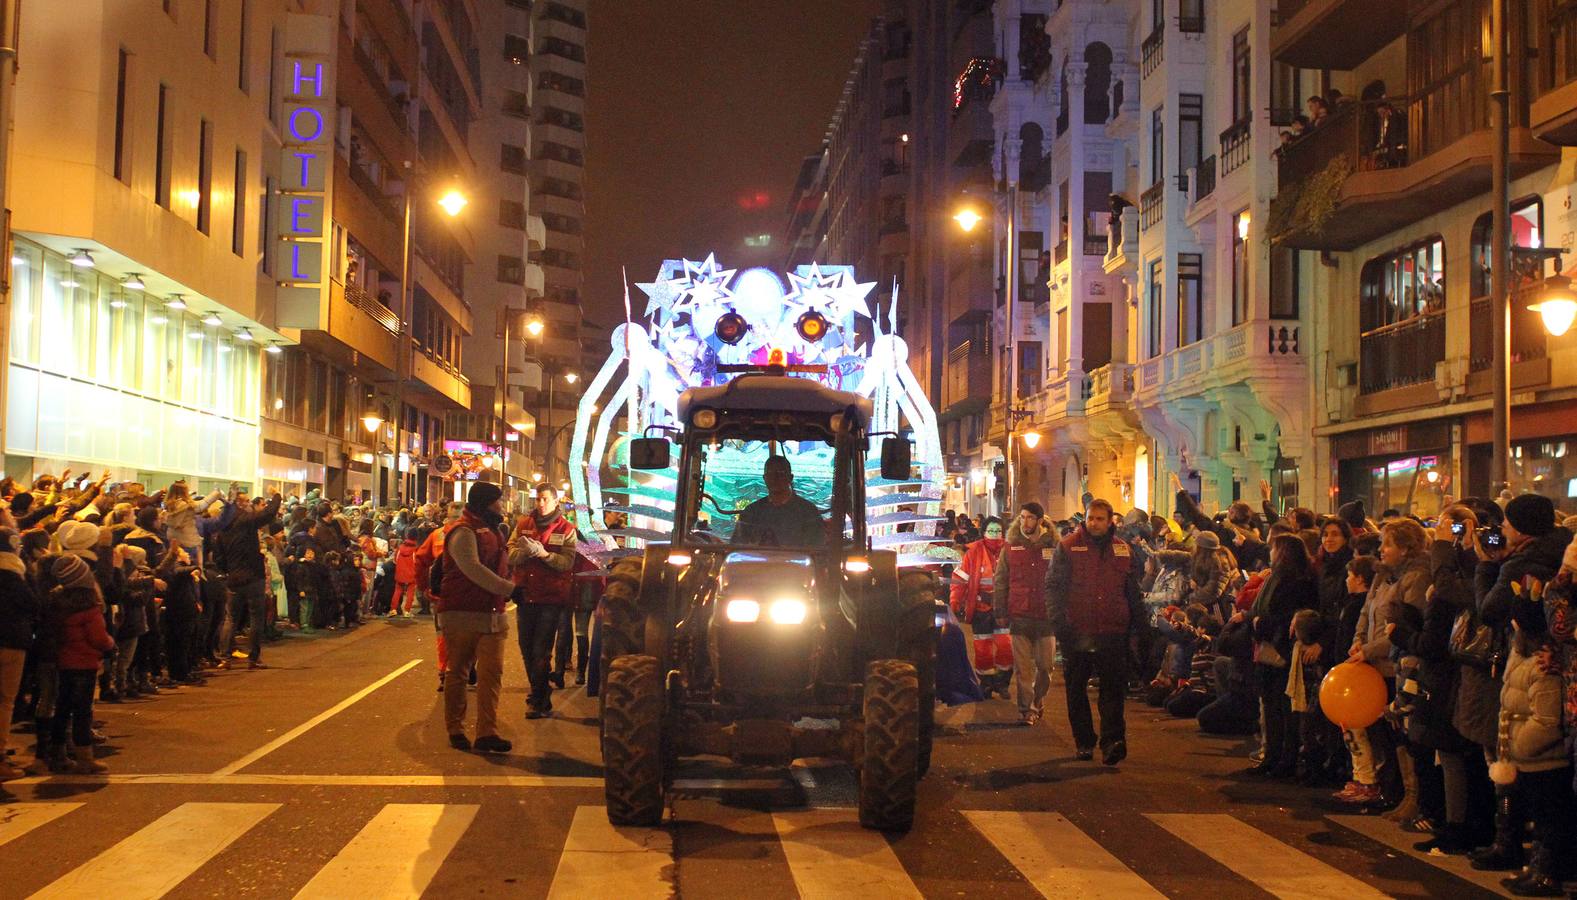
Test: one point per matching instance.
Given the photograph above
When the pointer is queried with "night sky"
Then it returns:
(698, 113)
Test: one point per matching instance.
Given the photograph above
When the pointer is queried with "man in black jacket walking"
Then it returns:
(246, 572)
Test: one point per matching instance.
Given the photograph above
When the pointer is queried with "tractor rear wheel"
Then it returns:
(889, 772)
(632, 741)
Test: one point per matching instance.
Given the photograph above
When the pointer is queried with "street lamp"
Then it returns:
(371, 421)
(1557, 305)
(534, 326)
(967, 219)
(1031, 439)
(571, 377)
(453, 202)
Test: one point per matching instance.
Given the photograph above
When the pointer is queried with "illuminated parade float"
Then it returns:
(700, 321)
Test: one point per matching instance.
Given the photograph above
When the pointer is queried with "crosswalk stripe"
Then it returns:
(1256, 856)
(600, 860)
(831, 856)
(1388, 833)
(394, 855)
(151, 862)
(17, 819)
(1056, 857)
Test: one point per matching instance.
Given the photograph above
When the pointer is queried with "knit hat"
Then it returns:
(71, 572)
(134, 553)
(1531, 514)
(75, 537)
(1353, 514)
(1207, 540)
(482, 496)
(1135, 516)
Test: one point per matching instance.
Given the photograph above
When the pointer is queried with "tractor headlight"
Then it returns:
(678, 557)
(856, 565)
(788, 611)
(704, 419)
(742, 610)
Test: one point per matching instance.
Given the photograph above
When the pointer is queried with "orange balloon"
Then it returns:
(1353, 695)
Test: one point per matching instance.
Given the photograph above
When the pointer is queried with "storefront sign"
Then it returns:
(301, 220)
(1383, 441)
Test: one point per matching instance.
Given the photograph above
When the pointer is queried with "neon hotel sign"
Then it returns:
(308, 153)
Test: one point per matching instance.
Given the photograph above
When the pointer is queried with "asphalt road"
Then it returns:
(330, 775)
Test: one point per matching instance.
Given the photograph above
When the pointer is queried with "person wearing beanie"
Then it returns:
(76, 613)
(475, 591)
(19, 608)
(1352, 512)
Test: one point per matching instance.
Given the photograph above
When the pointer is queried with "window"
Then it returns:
(238, 216)
(273, 75)
(1404, 285)
(265, 212)
(1157, 145)
(210, 40)
(1153, 333)
(1097, 84)
(511, 270)
(1241, 285)
(1190, 299)
(517, 49)
(1286, 99)
(205, 174)
(161, 158)
(1242, 84)
(1191, 16)
(1157, 15)
(512, 214)
(1527, 230)
(1284, 282)
(122, 167)
(517, 104)
(512, 159)
(1190, 131)
(243, 54)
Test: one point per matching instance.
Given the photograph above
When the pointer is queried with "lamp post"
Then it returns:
(547, 463)
(372, 422)
(1500, 253)
(452, 202)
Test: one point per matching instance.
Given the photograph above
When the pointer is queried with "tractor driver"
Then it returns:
(782, 518)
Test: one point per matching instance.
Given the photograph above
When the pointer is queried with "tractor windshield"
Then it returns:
(766, 493)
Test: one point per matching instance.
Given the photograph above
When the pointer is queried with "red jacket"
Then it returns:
(405, 562)
(461, 593)
(548, 580)
(973, 579)
(1094, 587)
(84, 640)
(425, 556)
(1021, 573)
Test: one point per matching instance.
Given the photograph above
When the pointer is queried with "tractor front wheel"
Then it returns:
(632, 742)
(889, 764)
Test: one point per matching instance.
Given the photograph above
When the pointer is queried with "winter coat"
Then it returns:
(1408, 584)
(19, 609)
(1538, 557)
(1092, 590)
(1477, 713)
(180, 518)
(1018, 585)
(136, 599)
(405, 562)
(1279, 599)
(240, 549)
(1438, 678)
(1530, 715)
(974, 579)
(1333, 600)
(83, 639)
(1211, 573)
(548, 580)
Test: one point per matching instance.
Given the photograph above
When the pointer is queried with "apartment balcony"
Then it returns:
(1201, 183)
(1109, 388)
(968, 373)
(373, 218)
(1530, 346)
(1122, 244)
(1401, 354)
(1064, 398)
(382, 114)
(1236, 146)
(1553, 116)
(445, 294)
(1152, 205)
(362, 324)
(437, 378)
(536, 233)
(1334, 34)
(1378, 189)
(1263, 351)
(1152, 52)
(535, 280)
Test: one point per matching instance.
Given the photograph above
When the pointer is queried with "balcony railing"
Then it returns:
(1401, 354)
(359, 298)
(1152, 204)
(1352, 133)
(1059, 253)
(1152, 51)
(1235, 145)
(1561, 58)
(1528, 338)
(894, 226)
(1094, 244)
(1204, 178)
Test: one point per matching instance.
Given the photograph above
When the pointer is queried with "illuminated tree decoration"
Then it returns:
(700, 316)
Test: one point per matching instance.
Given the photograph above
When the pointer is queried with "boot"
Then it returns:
(1538, 879)
(58, 764)
(1407, 810)
(1505, 854)
(1450, 838)
(86, 764)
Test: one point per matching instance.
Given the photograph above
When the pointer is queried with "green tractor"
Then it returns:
(763, 650)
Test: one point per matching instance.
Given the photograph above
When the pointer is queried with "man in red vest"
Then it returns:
(542, 559)
(1092, 590)
(1019, 587)
(472, 616)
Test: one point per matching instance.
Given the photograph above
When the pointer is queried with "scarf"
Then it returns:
(1296, 690)
(993, 545)
(545, 522)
